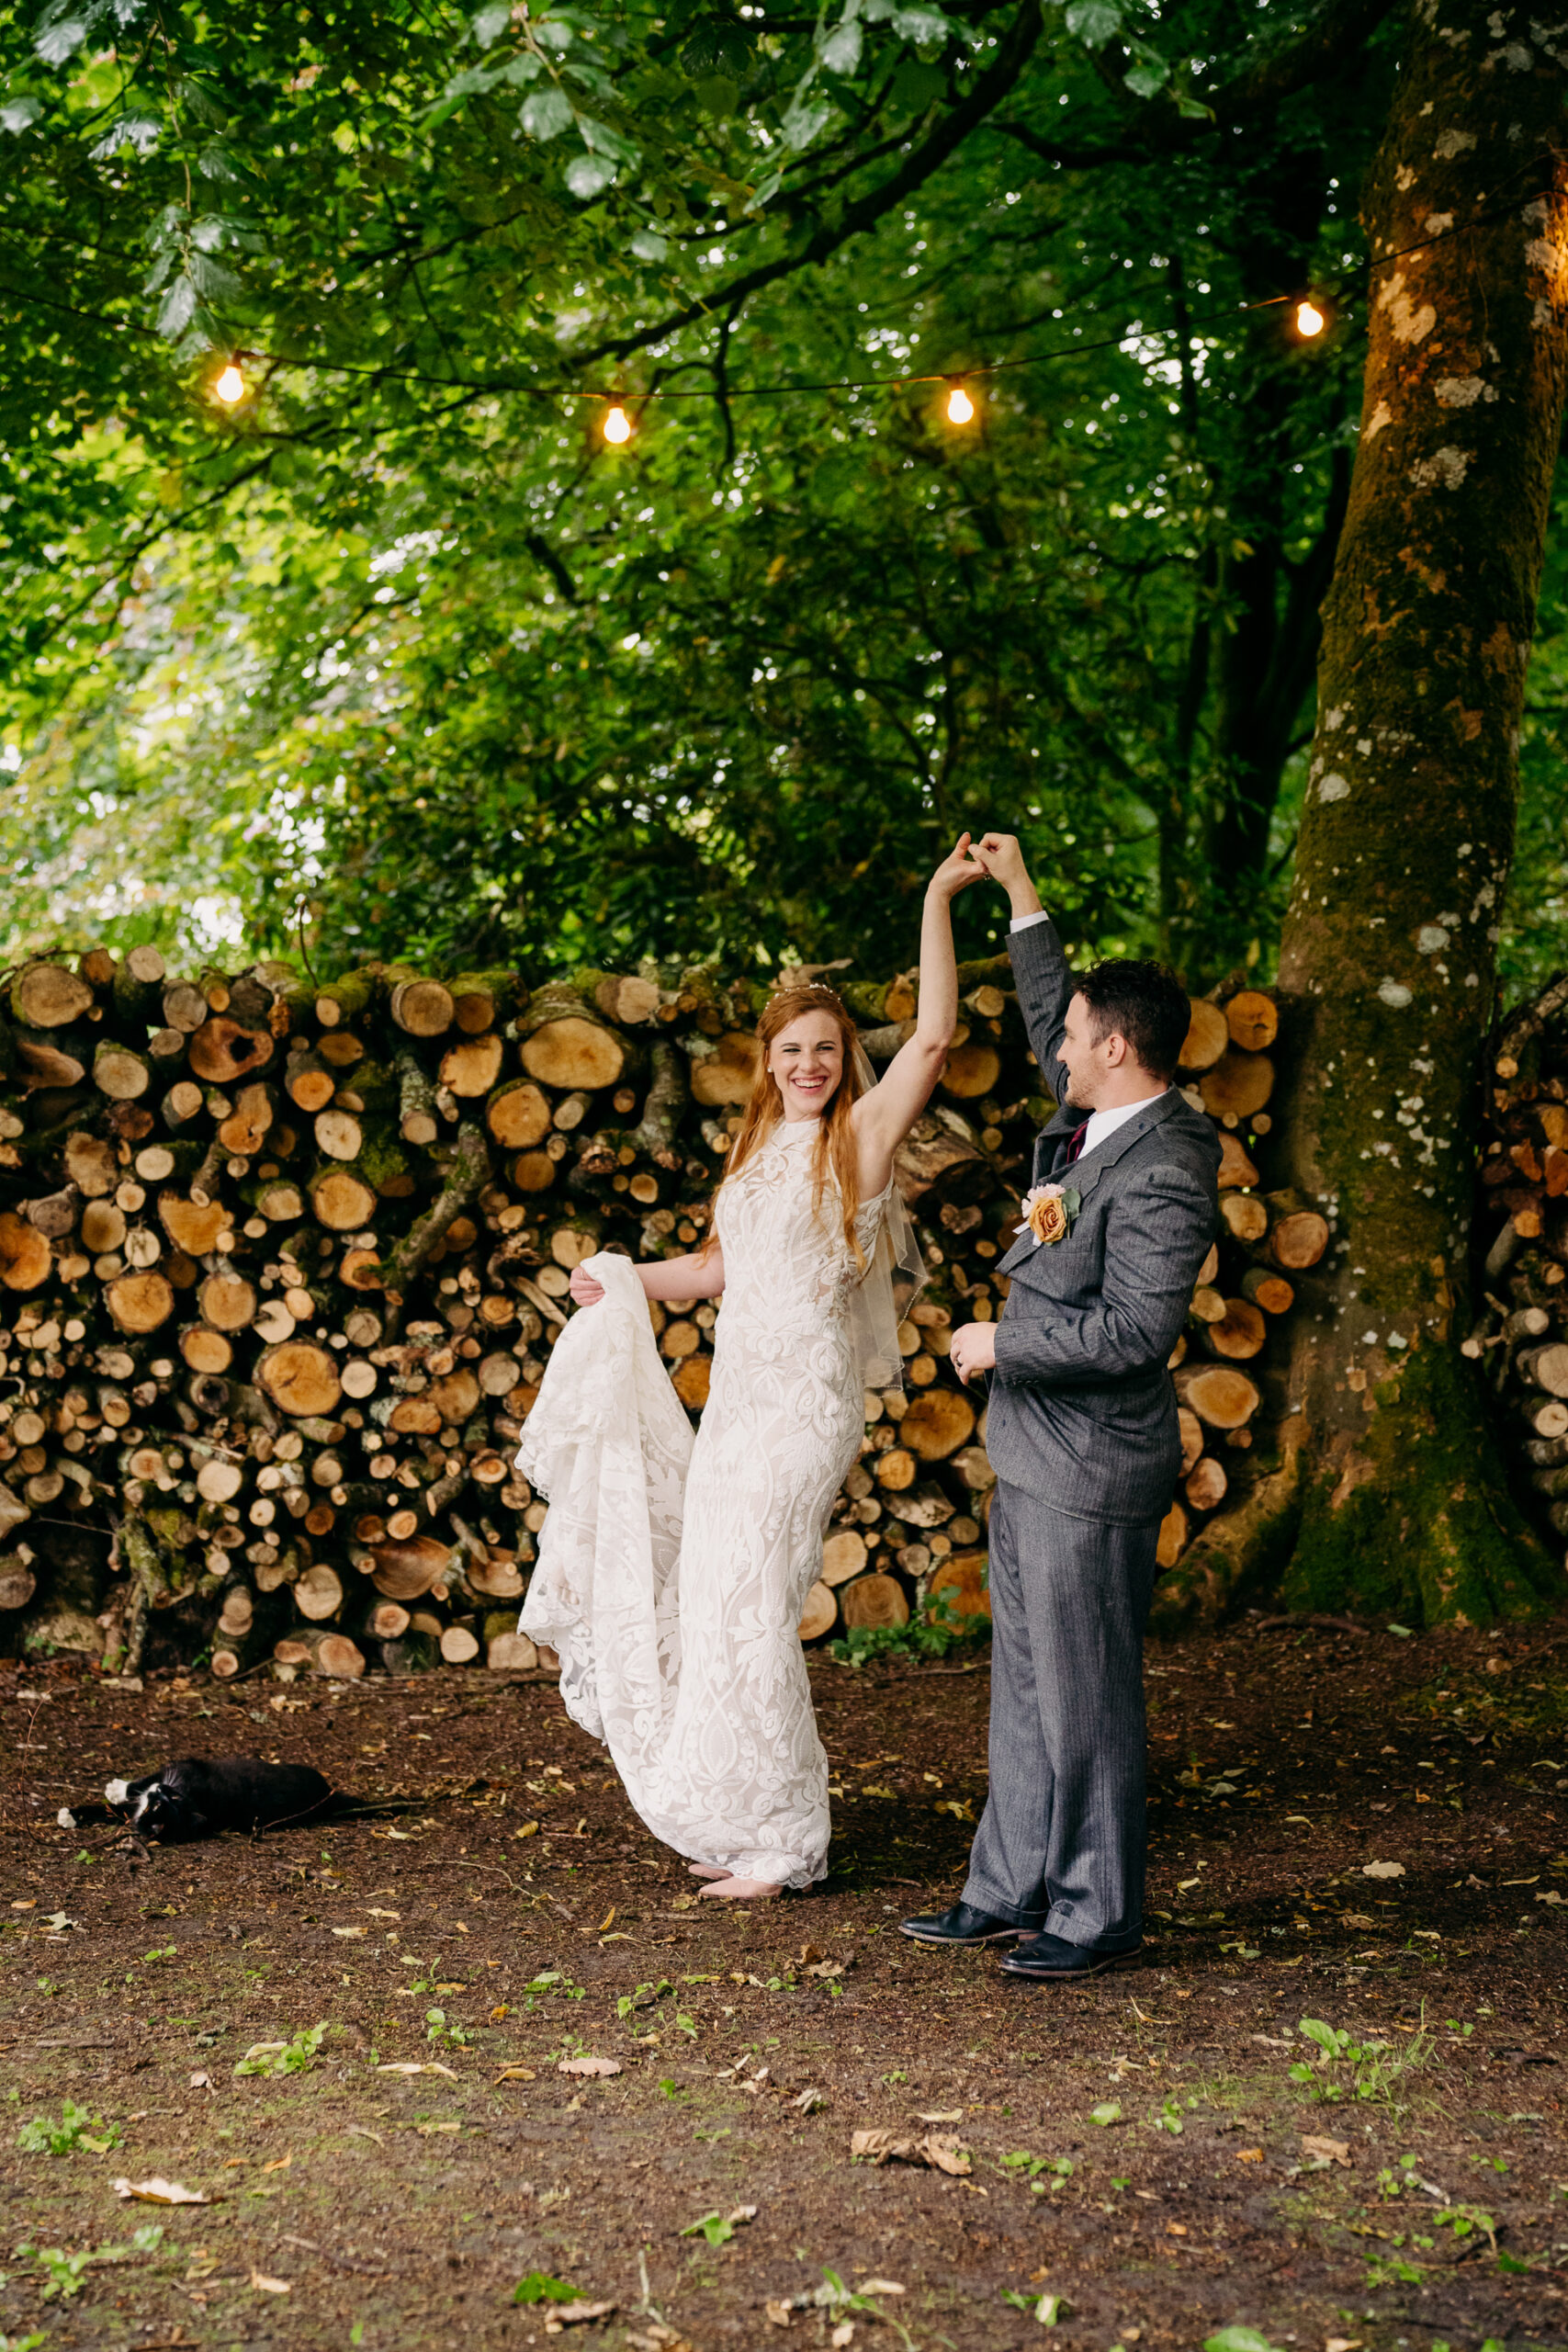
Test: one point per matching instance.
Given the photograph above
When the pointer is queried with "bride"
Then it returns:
(672, 1576)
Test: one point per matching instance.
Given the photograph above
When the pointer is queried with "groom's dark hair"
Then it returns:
(1143, 1002)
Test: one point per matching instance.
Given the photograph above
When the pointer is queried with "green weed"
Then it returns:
(77, 2129)
(540, 2288)
(66, 2274)
(293, 2057)
(437, 2030)
(1361, 2070)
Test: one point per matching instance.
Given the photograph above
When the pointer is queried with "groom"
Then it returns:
(1082, 1434)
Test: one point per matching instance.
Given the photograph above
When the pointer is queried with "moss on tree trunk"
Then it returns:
(1389, 950)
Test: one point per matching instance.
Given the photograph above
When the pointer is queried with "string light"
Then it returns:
(230, 386)
(1310, 319)
(960, 407)
(617, 426)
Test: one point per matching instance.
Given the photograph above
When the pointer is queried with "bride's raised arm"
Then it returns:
(884, 1117)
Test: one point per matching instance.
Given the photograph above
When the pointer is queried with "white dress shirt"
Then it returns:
(1100, 1123)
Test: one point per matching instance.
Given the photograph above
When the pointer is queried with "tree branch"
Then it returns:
(1339, 29)
(990, 88)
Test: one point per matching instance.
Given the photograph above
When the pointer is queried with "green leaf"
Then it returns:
(18, 113)
(922, 27)
(547, 113)
(1108, 2111)
(589, 176)
(1238, 2339)
(804, 122)
(491, 23)
(649, 246)
(1094, 22)
(841, 50)
(540, 2288)
(1149, 76)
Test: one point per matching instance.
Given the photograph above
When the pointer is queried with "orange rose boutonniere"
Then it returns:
(1049, 1212)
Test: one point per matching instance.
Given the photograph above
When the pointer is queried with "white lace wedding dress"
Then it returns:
(671, 1575)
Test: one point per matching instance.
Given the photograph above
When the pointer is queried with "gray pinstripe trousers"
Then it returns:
(1062, 1842)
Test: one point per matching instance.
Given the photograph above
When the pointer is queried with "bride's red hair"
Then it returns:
(835, 1151)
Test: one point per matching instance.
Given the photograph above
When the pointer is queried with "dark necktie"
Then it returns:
(1073, 1145)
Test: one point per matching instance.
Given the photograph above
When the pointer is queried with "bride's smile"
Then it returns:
(806, 1063)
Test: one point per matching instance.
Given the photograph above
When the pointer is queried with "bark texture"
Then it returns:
(1388, 958)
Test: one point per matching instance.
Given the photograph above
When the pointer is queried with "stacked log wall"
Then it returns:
(1520, 1329)
(281, 1264)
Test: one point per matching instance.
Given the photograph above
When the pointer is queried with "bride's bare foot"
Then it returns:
(707, 1869)
(742, 1890)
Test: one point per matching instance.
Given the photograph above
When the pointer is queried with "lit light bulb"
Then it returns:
(617, 426)
(230, 386)
(960, 407)
(1310, 319)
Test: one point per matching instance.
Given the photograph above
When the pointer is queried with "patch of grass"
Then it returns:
(77, 2128)
(66, 2274)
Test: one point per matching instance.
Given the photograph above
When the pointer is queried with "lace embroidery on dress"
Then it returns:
(672, 1576)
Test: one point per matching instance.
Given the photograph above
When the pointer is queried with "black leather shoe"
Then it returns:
(1051, 1960)
(962, 1925)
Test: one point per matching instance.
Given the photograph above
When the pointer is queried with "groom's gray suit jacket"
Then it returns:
(1082, 1409)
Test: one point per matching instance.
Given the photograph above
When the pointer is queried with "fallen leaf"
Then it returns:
(1343, 2344)
(30, 1904)
(939, 2150)
(279, 2164)
(843, 2334)
(516, 2074)
(430, 2066)
(1108, 2111)
(353, 1931)
(375, 1912)
(1550, 1895)
(778, 2314)
(879, 2287)
(587, 2064)
(1383, 1869)
(809, 1952)
(529, 1829)
(1324, 2151)
(201, 2081)
(158, 2191)
(425, 2130)
(826, 1968)
(807, 2100)
(942, 2115)
(1249, 2155)
(270, 2286)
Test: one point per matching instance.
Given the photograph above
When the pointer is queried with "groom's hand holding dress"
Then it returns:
(1082, 1433)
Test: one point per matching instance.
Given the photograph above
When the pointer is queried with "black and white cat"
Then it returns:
(198, 1796)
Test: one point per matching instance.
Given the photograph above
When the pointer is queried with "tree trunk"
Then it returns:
(1388, 953)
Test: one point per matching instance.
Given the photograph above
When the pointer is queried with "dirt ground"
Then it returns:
(1143, 2166)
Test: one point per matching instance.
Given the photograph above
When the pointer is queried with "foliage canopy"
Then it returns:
(395, 652)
